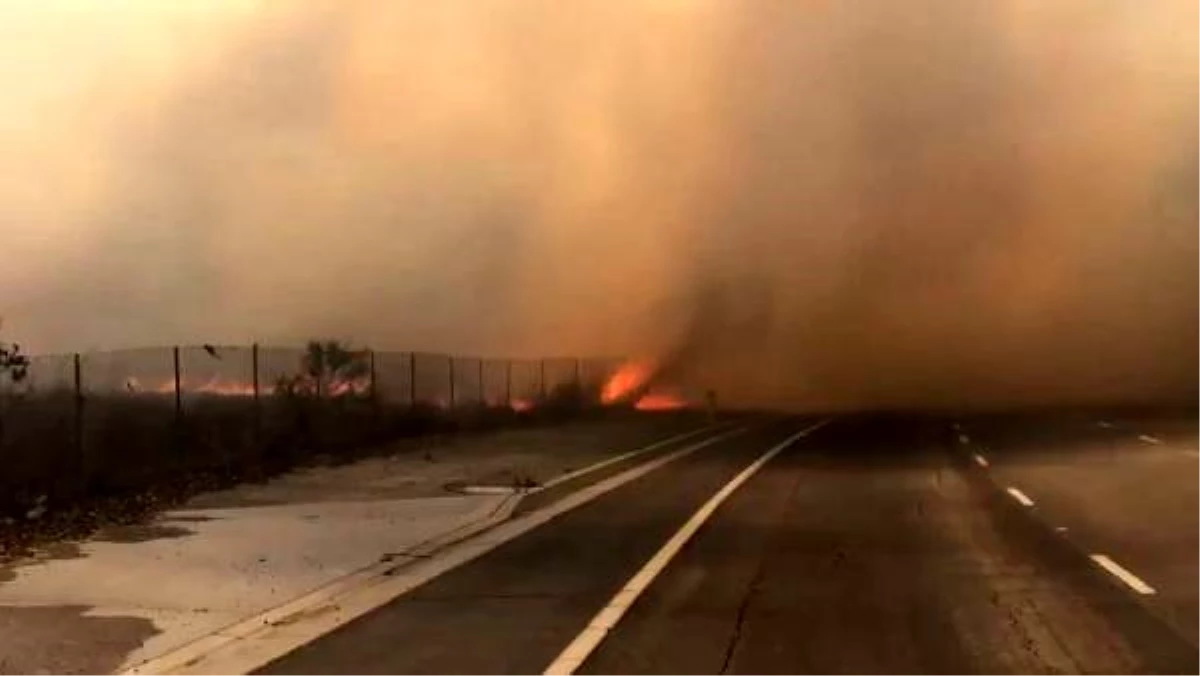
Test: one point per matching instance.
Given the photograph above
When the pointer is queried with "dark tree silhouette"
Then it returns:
(14, 367)
(328, 369)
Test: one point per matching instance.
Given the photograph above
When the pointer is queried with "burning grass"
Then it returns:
(635, 383)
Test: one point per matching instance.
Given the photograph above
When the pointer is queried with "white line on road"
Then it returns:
(964, 439)
(1105, 424)
(578, 650)
(629, 455)
(489, 490)
(619, 458)
(1149, 439)
(1019, 496)
(980, 460)
(1135, 583)
(250, 643)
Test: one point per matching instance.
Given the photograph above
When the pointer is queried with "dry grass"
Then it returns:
(127, 444)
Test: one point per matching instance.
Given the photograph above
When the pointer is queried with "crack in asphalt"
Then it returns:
(752, 589)
(736, 638)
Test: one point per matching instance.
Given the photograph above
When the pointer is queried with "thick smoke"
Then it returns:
(802, 204)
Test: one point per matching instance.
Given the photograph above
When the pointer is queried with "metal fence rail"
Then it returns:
(123, 418)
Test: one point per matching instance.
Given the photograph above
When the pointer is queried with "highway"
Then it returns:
(860, 544)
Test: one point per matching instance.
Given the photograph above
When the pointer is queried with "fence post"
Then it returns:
(450, 361)
(178, 403)
(319, 378)
(254, 367)
(78, 422)
(257, 389)
(508, 383)
(412, 379)
(178, 388)
(374, 392)
(376, 408)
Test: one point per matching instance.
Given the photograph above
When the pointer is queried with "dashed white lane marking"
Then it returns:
(956, 427)
(1149, 439)
(1105, 424)
(578, 650)
(1135, 583)
(1019, 496)
(964, 439)
(255, 641)
(980, 460)
(1060, 529)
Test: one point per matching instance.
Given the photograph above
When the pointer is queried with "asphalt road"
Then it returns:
(877, 544)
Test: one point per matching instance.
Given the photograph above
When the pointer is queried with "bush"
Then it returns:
(14, 367)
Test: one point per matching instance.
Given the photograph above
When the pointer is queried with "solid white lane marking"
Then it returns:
(253, 642)
(578, 650)
(980, 460)
(964, 439)
(489, 490)
(1149, 439)
(622, 457)
(1019, 496)
(1135, 583)
(628, 455)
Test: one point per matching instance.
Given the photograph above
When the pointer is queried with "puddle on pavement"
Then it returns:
(189, 518)
(54, 551)
(62, 640)
(140, 533)
(60, 551)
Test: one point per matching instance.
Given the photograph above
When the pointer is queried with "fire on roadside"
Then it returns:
(631, 380)
(660, 401)
(629, 383)
(226, 388)
(627, 379)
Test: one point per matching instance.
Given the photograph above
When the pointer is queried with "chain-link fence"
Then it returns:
(122, 419)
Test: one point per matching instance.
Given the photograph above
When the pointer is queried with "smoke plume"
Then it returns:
(804, 204)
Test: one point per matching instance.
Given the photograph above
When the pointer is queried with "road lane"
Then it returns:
(876, 550)
(578, 650)
(515, 608)
(879, 544)
(1111, 493)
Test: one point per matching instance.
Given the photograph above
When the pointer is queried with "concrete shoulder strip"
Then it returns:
(256, 641)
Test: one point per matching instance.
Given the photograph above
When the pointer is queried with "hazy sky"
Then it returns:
(835, 202)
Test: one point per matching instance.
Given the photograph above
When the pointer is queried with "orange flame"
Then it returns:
(631, 377)
(628, 377)
(660, 401)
